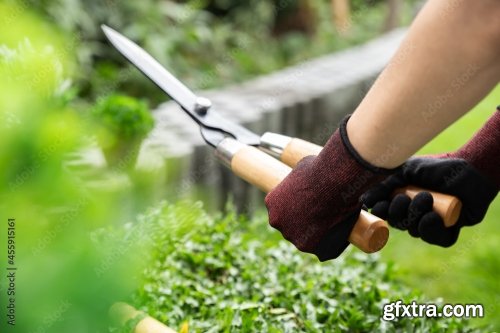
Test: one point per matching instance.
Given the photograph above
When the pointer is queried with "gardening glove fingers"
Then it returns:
(420, 205)
(383, 191)
(376, 195)
(405, 213)
(398, 210)
(472, 174)
(381, 209)
(446, 175)
(433, 231)
(455, 176)
(316, 206)
(379, 197)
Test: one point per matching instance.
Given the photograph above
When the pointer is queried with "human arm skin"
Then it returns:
(448, 62)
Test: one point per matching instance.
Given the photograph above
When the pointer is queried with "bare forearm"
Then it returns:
(449, 61)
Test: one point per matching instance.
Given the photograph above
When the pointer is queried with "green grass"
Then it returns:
(469, 271)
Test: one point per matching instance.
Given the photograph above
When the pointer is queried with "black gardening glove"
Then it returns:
(472, 174)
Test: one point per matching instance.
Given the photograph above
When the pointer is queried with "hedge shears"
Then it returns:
(262, 160)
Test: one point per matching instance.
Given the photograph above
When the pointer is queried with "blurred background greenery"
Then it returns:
(207, 43)
(80, 247)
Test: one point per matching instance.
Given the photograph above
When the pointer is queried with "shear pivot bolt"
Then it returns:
(202, 105)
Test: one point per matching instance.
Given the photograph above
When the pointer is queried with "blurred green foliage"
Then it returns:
(65, 280)
(121, 123)
(124, 117)
(205, 43)
(230, 274)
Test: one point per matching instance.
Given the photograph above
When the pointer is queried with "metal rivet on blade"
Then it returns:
(202, 105)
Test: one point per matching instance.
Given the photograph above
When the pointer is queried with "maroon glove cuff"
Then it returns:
(315, 207)
(355, 155)
(483, 150)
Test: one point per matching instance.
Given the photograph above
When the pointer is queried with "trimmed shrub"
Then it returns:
(229, 274)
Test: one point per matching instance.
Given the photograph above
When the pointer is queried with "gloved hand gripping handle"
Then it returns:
(370, 233)
(291, 150)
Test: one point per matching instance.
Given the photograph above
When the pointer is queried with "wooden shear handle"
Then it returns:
(447, 206)
(370, 233)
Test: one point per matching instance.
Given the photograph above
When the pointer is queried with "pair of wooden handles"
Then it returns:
(370, 233)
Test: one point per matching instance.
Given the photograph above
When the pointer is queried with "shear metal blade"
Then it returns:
(209, 120)
(151, 68)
